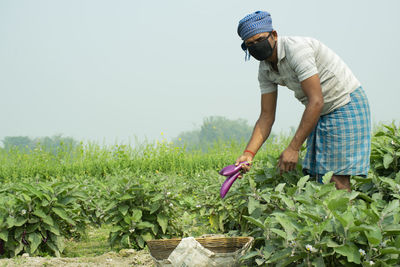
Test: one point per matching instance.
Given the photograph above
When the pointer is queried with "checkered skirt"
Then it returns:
(341, 141)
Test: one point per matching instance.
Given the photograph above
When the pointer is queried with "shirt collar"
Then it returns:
(281, 49)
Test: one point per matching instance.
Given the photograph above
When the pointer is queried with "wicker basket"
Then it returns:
(161, 249)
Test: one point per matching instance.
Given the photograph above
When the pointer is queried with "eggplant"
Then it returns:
(232, 169)
(228, 183)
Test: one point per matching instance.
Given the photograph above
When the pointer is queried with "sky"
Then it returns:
(117, 71)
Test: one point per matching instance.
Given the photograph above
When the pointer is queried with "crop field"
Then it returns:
(94, 203)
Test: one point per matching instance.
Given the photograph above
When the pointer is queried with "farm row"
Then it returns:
(161, 191)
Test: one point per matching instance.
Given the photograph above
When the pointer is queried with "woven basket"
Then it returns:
(162, 248)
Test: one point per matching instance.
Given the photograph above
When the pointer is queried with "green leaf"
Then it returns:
(58, 241)
(380, 133)
(46, 218)
(115, 228)
(140, 241)
(254, 221)
(10, 222)
(287, 225)
(4, 235)
(302, 181)
(365, 197)
(144, 224)
(55, 229)
(32, 190)
(154, 207)
(392, 229)
(35, 239)
(318, 262)
(18, 249)
(123, 209)
(311, 216)
(362, 227)
(288, 202)
(253, 184)
(250, 255)
(279, 232)
(162, 221)
(374, 237)
(158, 197)
(353, 195)
(253, 204)
(18, 232)
(338, 204)
(332, 244)
(20, 221)
(136, 215)
(390, 250)
(279, 255)
(290, 260)
(350, 251)
(33, 227)
(326, 179)
(60, 212)
(397, 242)
(260, 261)
(126, 197)
(65, 201)
(388, 181)
(125, 241)
(280, 187)
(26, 197)
(127, 220)
(147, 236)
(325, 189)
(53, 247)
(346, 218)
(387, 160)
(303, 199)
(393, 205)
(39, 212)
(33, 220)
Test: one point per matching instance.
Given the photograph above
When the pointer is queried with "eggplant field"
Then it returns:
(91, 200)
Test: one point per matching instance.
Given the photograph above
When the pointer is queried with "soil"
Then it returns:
(123, 258)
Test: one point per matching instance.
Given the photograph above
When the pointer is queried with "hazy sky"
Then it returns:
(112, 70)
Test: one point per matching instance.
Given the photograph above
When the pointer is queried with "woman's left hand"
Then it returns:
(288, 160)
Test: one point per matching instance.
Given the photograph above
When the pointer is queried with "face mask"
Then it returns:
(262, 49)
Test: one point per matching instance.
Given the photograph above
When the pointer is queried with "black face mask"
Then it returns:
(262, 49)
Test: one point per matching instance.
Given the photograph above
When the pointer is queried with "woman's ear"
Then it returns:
(274, 34)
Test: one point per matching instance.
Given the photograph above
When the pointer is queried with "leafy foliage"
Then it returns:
(140, 212)
(35, 218)
(316, 223)
(385, 151)
(162, 191)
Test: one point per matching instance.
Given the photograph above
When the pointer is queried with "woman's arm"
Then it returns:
(262, 128)
(312, 89)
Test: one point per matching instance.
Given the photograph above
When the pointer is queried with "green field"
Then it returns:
(89, 199)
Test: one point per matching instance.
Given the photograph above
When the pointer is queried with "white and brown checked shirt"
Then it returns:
(302, 57)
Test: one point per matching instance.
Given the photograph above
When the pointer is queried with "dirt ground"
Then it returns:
(123, 258)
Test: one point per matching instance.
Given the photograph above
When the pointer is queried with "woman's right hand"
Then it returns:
(244, 157)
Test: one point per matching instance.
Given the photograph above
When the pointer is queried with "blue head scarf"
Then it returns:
(252, 24)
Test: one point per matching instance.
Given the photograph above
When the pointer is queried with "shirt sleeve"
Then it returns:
(266, 86)
(302, 61)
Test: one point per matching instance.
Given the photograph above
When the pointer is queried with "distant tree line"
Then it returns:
(50, 144)
(215, 129)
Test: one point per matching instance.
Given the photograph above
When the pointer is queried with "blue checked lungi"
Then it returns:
(341, 140)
